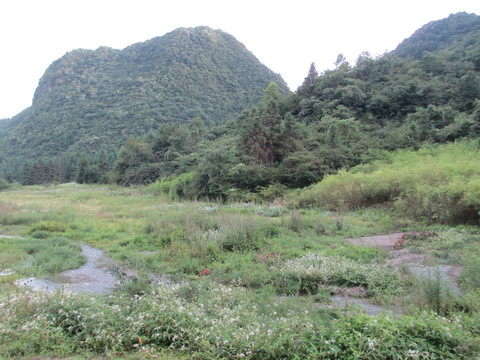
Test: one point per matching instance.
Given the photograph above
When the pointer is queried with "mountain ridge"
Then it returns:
(92, 98)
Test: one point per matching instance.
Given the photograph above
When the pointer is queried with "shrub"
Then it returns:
(295, 222)
(41, 234)
(438, 184)
(50, 226)
(244, 234)
(4, 184)
(176, 187)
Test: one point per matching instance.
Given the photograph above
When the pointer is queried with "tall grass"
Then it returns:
(437, 184)
(207, 321)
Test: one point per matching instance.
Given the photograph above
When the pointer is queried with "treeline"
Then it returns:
(84, 168)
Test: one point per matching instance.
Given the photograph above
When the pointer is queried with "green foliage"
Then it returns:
(4, 185)
(444, 34)
(314, 270)
(47, 255)
(470, 277)
(254, 256)
(49, 226)
(437, 184)
(245, 235)
(90, 99)
(426, 91)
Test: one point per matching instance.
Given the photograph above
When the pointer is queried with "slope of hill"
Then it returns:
(457, 30)
(88, 99)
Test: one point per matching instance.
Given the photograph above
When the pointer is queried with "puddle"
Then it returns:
(92, 276)
(415, 262)
(344, 302)
(445, 273)
(340, 301)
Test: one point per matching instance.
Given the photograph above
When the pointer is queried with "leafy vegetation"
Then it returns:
(436, 184)
(255, 265)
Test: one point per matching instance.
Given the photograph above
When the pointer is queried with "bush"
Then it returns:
(437, 184)
(50, 226)
(4, 184)
(177, 187)
(244, 234)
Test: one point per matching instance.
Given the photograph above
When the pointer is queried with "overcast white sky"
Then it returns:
(286, 36)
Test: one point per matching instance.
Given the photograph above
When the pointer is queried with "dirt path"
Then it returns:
(416, 262)
(385, 242)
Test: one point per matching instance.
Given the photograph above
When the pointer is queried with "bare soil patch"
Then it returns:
(401, 256)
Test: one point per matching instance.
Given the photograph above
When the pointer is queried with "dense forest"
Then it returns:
(92, 100)
(427, 90)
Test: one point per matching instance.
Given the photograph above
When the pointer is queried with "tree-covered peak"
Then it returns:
(93, 98)
(460, 29)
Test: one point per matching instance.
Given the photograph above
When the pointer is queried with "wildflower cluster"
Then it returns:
(214, 321)
(314, 269)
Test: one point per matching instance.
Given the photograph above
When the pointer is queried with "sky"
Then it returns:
(286, 36)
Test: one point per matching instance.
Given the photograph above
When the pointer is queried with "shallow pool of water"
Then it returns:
(93, 276)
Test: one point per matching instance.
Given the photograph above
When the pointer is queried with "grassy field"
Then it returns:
(272, 272)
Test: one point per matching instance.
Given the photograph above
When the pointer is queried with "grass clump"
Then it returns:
(470, 276)
(47, 226)
(245, 234)
(40, 257)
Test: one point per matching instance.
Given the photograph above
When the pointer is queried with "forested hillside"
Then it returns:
(459, 30)
(427, 90)
(338, 119)
(92, 100)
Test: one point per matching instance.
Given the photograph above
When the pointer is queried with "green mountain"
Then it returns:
(459, 30)
(89, 100)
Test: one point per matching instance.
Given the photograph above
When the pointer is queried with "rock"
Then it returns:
(7, 272)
